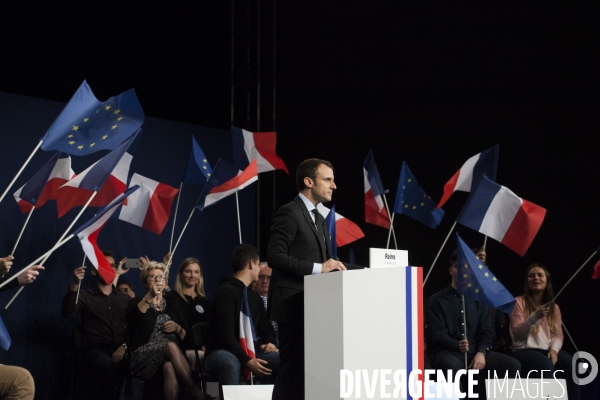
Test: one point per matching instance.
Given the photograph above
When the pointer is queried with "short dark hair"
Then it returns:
(241, 256)
(308, 168)
(124, 282)
(108, 253)
(454, 255)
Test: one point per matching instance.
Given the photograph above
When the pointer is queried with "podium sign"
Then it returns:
(386, 258)
(369, 320)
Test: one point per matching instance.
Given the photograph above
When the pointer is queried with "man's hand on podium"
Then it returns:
(256, 366)
(331, 265)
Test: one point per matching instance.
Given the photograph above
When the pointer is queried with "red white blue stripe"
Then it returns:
(375, 212)
(247, 333)
(414, 321)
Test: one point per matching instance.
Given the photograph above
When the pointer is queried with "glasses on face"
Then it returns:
(158, 278)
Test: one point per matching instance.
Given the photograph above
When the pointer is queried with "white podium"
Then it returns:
(369, 320)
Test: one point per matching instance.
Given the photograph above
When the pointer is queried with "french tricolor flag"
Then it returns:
(248, 146)
(346, 231)
(469, 174)
(225, 181)
(247, 333)
(44, 184)
(375, 212)
(497, 212)
(107, 176)
(88, 236)
(150, 206)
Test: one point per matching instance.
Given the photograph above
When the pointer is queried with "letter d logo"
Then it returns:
(589, 364)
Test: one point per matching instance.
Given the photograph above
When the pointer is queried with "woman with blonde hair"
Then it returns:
(157, 332)
(190, 299)
(536, 330)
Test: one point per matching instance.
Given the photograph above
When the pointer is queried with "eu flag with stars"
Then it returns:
(412, 200)
(475, 280)
(198, 170)
(87, 125)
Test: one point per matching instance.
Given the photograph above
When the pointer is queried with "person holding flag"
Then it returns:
(536, 330)
(460, 327)
(236, 313)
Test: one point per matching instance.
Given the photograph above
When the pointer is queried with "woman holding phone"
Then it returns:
(536, 330)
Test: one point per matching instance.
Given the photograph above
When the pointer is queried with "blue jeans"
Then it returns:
(537, 359)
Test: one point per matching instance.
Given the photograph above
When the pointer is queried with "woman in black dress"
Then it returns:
(157, 332)
(190, 299)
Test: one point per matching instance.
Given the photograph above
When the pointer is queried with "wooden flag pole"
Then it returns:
(237, 204)
(21, 170)
(56, 246)
(569, 335)
(79, 285)
(22, 230)
(175, 216)
(438, 254)
(569, 281)
(391, 226)
(465, 324)
(178, 239)
(387, 246)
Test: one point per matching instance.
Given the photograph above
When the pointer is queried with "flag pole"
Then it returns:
(79, 285)
(21, 170)
(569, 335)
(391, 226)
(569, 281)
(47, 254)
(237, 204)
(178, 239)
(175, 216)
(438, 254)
(465, 324)
(387, 246)
(56, 246)
(12, 253)
(485, 242)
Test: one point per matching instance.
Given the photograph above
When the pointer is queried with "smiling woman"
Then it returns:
(190, 299)
(536, 330)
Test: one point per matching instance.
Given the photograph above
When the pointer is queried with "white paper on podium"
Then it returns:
(387, 258)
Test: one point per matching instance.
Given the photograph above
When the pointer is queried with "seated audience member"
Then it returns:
(536, 330)
(16, 382)
(125, 287)
(157, 332)
(102, 310)
(262, 288)
(225, 357)
(449, 343)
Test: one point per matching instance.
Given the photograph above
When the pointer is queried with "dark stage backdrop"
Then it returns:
(41, 338)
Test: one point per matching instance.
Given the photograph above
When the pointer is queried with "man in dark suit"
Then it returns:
(298, 246)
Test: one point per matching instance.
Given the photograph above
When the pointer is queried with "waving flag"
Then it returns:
(476, 281)
(412, 200)
(596, 273)
(496, 211)
(5, 340)
(346, 230)
(88, 235)
(248, 146)
(43, 186)
(150, 206)
(469, 174)
(107, 176)
(330, 221)
(226, 180)
(198, 169)
(87, 125)
(375, 212)
(247, 333)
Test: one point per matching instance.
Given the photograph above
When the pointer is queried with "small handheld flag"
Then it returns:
(346, 230)
(412, 200)
(5, 340)
(248, 146)
(496, 211)
(247, 333)
(87, 125)
(471, 172)
(198, 169)
(375, 212)
(476, 281)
